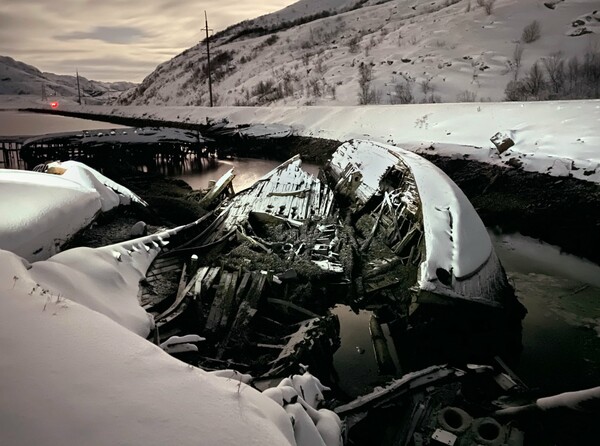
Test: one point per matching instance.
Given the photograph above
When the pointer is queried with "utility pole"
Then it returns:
(44, 98)
(78, 88)
(208, 59)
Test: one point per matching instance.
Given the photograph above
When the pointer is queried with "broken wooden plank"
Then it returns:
(313, 337)
(249, 305)
(182, 292)
(287, 304)
(222, 303)
(182, 283)
(210, 277)
(220, 186)
(166, 269)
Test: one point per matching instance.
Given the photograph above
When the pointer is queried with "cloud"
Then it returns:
(108, 34)
(113, 39)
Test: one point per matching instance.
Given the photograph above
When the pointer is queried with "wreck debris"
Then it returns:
(381, 229)
(223, 185)
(441, 404)
(382, 353)
(315, 333)
(502, 142)
(286, 194)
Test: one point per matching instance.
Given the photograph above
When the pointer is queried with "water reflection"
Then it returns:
(355, 361)
(197, 172)
(561, 332)
(527, 255)
(560, 337)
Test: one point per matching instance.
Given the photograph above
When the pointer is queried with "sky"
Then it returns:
(114, 40)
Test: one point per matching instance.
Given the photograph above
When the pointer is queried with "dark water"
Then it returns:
(561, 332)
(13, 124)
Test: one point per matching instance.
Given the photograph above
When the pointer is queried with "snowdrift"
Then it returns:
(40, 212)
(72, 376)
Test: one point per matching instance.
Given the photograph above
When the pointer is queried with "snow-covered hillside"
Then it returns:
(18, 78)
(383, 52)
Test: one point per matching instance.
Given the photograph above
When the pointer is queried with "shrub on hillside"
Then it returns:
(487, 5)
(366, 94)
(466, 96)
(531, 32)
(353, 44)
(553, 78)
(403, 92)
(273, 38)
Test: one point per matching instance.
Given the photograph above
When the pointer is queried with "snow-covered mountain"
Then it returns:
(18, 78)
(349, 52)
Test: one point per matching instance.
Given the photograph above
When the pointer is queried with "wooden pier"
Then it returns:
(105, 148)
(11, 152)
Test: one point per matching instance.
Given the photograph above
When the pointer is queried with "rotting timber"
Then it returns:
(258, 274)
(107, 147)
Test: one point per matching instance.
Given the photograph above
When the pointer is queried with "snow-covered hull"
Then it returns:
(41, 211)
(423, 217)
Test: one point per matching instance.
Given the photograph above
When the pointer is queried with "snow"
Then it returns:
(19, 79)
(312, 427)
(112, 194)
(145, 135)
(582, 400)
(42, 211)
(554, 137)
(446, 52)
(91, 277)
(73, 376)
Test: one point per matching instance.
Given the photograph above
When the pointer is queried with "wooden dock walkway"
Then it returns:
(104, 147)
(11, 152)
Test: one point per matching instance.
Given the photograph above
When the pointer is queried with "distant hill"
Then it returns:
(18, 78)
(346, 52)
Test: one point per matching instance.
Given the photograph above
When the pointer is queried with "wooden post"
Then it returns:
(208, 60)
(78, 88)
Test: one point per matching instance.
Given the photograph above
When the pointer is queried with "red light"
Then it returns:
(54, 104)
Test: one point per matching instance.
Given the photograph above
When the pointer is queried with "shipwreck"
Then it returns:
(380, 228)
(250, 285)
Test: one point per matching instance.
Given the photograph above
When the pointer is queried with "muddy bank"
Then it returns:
(561, 211)
(311, 150)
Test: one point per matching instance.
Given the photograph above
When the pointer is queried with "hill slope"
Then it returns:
(18, 78)
(403, 51)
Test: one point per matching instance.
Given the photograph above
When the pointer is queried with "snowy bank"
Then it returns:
(71, 376)
(40, 212)
(557, 137)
